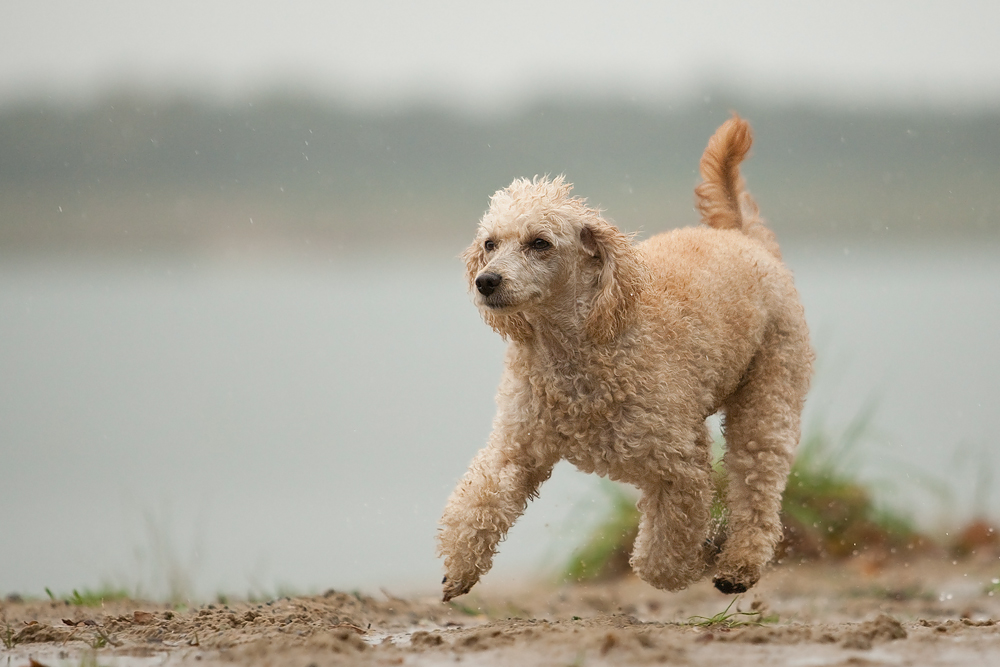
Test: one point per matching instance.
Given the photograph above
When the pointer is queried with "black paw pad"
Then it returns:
(729, 587)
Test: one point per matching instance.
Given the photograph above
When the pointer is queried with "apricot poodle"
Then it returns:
(618, 353)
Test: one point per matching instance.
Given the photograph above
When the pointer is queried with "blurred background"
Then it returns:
(236, 351)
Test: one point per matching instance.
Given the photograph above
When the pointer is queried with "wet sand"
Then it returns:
(929, 611)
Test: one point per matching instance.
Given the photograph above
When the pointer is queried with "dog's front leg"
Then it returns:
(491, 496)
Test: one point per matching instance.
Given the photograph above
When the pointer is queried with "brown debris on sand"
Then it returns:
(924, 611)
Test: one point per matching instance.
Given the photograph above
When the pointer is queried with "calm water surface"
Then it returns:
(253, 427)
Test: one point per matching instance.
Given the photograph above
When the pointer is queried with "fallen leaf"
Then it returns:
(143, 617)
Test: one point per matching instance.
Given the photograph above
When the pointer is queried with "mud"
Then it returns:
(928, 612)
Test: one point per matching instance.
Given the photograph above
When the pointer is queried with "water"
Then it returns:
(248, 428)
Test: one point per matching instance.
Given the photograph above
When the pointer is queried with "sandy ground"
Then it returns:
(932, 611)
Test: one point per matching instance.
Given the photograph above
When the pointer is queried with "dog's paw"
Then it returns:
(452, 588)
(733, 583)
(736, 577)
(730, 587)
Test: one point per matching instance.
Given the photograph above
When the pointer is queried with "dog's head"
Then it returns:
(539, 250)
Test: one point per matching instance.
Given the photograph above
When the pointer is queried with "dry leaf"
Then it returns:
(143, 617)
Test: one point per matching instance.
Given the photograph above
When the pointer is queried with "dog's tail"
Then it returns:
(722, 198)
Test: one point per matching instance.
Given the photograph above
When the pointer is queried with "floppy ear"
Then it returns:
(512, 326)
(619, 283)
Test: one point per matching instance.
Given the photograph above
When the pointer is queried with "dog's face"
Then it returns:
(521, 262)
(527, 247)
(538, 248)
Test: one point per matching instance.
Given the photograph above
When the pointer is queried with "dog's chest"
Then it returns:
(577, 394)
(596, 419)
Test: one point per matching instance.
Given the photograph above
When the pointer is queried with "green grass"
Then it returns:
(7, 636)
(731, 619)
(602, 555)
(826, 510)
(91, 598)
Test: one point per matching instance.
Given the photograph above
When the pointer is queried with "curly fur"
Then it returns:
(618, 353)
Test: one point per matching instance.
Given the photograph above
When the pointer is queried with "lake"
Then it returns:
(193, 424)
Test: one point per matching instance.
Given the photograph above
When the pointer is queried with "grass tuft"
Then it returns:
(90, 598)
(7, 636)
(729, 619)
(827, 512)
(602, 555)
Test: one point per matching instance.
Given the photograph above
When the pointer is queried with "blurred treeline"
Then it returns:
(130, 173)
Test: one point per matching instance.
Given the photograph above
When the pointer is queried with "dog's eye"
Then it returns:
(540, 244)
(489, 246)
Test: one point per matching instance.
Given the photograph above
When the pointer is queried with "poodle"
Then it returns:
(617, 355)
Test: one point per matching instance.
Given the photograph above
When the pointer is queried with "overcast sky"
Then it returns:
(494, 55)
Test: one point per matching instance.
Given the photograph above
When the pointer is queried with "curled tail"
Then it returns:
(722, 197)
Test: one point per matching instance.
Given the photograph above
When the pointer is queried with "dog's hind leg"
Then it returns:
(669, 552)
(762, 431)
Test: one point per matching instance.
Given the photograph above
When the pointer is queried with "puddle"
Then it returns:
(74, 658)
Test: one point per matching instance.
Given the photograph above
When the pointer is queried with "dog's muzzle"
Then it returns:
(487, 283)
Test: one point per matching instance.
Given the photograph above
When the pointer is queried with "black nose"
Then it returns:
(487, 283)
